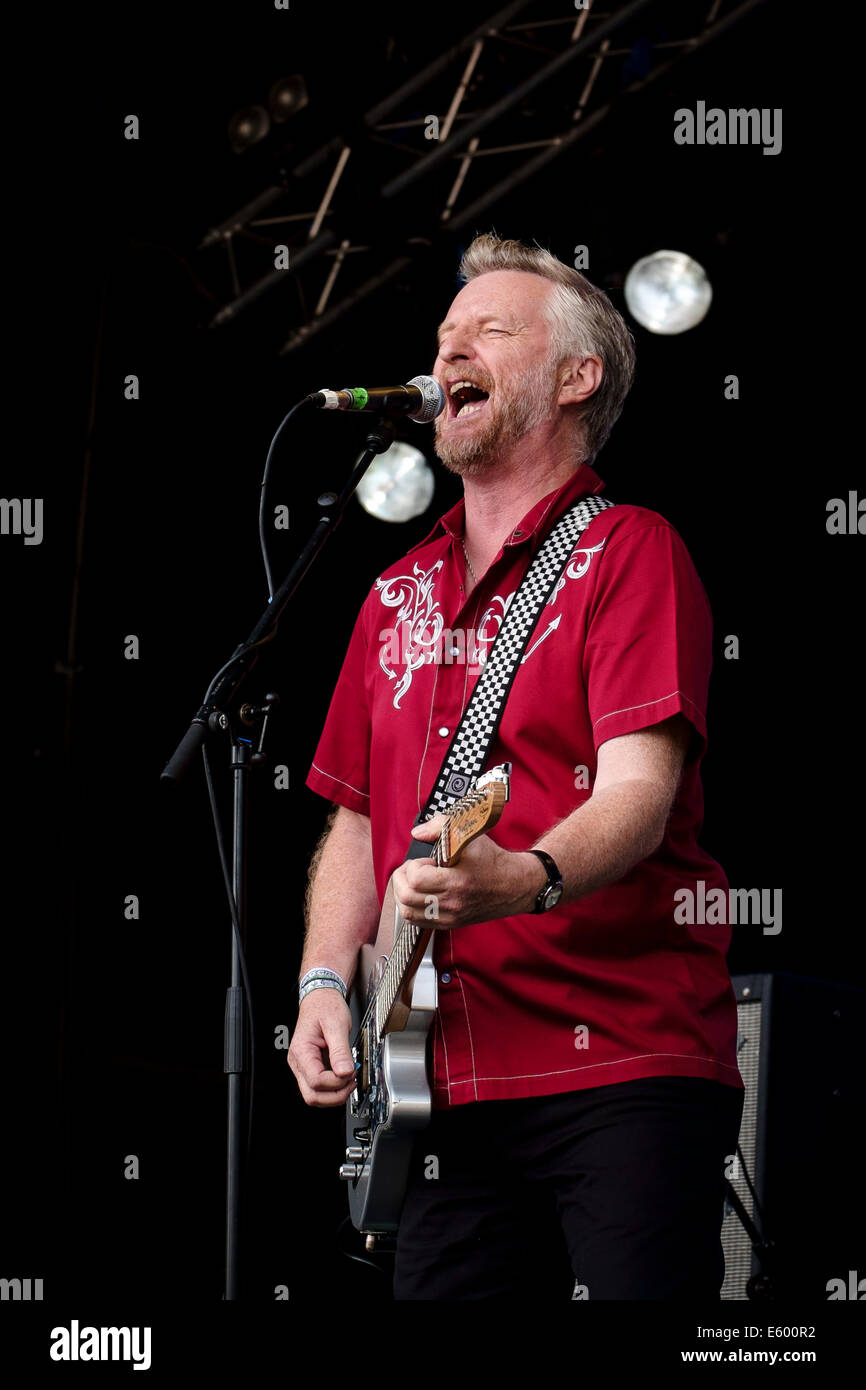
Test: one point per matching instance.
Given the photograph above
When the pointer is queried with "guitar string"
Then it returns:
(467, 803)
(404, 931)
(473, 799)
(439, 850)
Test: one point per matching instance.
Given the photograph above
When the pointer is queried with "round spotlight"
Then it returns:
(398, 485)
(668, 292)
(287, 96)
(247, 127)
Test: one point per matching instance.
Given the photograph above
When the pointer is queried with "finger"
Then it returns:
(430, 912)
(425, 876)
(324, 1099)
(411, 904)
(339, 1053)
(312, 1070)
(429, 830)
(409, 888)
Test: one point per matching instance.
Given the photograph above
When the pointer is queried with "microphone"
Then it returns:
(422, 399)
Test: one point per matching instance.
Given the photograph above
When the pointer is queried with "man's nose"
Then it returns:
(455, 347)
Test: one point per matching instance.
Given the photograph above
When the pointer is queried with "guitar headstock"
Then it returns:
(474, 814)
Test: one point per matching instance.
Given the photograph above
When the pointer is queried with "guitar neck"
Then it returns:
(468, 818)
(410, 943)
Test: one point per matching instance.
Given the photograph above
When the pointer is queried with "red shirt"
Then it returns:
(609, 988)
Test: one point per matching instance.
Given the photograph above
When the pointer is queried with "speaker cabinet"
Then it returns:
(801, 1050)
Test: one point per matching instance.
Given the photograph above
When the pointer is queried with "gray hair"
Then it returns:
(583, 323)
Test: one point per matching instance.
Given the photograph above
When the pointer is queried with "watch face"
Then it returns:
(552, 897)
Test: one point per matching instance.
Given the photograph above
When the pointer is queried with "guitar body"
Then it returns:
(393, 1004)
(395, 1103)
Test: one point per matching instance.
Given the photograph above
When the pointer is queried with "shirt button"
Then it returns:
(443, 733)
(445, 978)
(455, 651)
(517, 535)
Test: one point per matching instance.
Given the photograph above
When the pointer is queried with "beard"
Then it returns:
(516, 409)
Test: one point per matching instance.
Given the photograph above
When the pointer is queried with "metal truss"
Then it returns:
(509, 98)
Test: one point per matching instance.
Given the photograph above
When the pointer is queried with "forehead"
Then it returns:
(516, 294)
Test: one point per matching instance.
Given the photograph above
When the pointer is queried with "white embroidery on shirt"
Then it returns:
(576, 569)
(490, 624)
(412, 595)
(551, 627)
(419, 623)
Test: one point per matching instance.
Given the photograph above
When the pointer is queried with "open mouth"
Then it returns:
(465, 399)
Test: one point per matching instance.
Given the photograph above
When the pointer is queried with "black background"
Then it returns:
(119, 1047)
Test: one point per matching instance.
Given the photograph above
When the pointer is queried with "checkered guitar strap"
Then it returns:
(466, 756)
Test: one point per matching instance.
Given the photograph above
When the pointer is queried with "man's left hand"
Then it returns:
(487, 882)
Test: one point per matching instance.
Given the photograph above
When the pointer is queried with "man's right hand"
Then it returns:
(322, 1033)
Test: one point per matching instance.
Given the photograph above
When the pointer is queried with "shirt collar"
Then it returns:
(537, 522)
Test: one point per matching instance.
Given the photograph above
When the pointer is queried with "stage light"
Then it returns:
(247, 127)
(668, 292)
(398, 485)
(287, 96)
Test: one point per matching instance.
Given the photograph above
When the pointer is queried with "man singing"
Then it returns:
(586, 1095)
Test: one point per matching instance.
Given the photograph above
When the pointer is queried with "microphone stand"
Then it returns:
(210, 718)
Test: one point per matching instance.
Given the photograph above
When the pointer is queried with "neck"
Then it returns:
(496, 500)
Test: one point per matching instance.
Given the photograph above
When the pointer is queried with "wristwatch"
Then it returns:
(552, 890)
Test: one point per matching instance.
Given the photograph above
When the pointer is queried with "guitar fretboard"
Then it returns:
(467, 818)
(394, 975)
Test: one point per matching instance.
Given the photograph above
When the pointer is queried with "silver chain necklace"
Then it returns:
(468, 561)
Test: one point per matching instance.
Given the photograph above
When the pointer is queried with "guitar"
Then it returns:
(392, 1002)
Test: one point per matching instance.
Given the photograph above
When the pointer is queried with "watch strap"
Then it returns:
(554, 877)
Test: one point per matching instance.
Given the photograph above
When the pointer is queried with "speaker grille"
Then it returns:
(736, 1245)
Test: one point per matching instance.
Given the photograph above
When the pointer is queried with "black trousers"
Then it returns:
(615, 1192)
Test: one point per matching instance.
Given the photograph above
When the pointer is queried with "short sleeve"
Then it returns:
(648, 650)
(341, 766)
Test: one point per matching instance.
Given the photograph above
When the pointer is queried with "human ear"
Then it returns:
(582, 376)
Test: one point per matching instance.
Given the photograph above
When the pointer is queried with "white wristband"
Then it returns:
(322, 972)
(320, 984)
